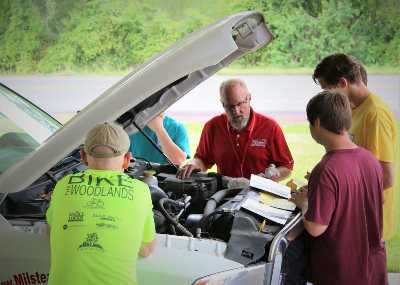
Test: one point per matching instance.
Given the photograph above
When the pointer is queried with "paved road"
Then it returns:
(272, 94)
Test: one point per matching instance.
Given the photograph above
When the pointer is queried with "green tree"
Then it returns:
(63, 35)
(20, 41)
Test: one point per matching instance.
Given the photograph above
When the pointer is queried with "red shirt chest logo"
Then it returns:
(258, 143)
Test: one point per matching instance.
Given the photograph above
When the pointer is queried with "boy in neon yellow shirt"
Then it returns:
(373, 127)
(100, 219)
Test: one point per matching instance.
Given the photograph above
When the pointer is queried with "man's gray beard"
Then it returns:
(240, 125)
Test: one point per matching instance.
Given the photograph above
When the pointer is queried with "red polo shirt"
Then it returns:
(245, 152)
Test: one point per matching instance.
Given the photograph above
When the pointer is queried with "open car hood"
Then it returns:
(148, 91)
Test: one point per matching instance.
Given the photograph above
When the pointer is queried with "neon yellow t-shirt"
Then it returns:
(374, 128)
(98, 220)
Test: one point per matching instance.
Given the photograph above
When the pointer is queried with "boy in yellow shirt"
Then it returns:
(373, 124)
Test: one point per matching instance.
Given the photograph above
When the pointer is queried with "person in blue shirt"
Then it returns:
(170, 135)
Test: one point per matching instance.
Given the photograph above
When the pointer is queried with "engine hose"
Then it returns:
(215, 199)
(205, 220)
(170, 219)
(172, 228)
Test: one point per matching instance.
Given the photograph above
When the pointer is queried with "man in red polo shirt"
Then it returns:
(241, 142)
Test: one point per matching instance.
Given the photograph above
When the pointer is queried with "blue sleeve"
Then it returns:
(132, 139)
(136, 144)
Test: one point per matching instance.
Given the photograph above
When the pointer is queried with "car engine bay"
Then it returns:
(201, 206)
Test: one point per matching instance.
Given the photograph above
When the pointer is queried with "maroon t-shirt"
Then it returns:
(249, 151)
(346, 193)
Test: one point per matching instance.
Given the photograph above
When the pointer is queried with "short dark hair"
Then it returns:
(364, 75)
(335, 66)
(333, 110)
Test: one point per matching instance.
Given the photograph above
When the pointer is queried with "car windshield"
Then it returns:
(23, 128)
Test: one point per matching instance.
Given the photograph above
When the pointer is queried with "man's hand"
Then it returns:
(300, 198)
(271, 172)
(276, 173)
(186, 170)
(196, 164)
(46, 196)
(147, 248)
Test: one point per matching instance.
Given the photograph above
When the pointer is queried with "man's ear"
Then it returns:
(343, 82)
(317, 123)
(83, 156)
(127, 160)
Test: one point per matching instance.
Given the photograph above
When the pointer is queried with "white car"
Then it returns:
(197, 242)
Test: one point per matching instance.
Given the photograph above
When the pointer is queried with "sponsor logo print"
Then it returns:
(76, 216)
(107, 226)
(87, 185)
(106, 221)
(91, 242)
(107, 218)
(247, 254)
(95, 204)
(26, 278)
(258, 143)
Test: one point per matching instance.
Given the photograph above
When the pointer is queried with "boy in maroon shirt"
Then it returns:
(343, 203)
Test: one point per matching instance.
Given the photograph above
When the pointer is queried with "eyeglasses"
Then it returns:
(233, 107)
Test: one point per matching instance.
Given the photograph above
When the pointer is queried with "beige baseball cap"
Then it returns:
(110, 135)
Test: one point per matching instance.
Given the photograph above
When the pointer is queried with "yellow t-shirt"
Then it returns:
(98, 220)
(374, 128)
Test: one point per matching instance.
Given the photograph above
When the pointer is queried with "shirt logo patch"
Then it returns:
(91, 242)
(76, 216)
(94, 204)
(258, 143)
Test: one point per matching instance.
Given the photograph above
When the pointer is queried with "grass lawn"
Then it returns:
(306, 154)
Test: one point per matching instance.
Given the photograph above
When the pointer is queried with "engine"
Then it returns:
(201, 206)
